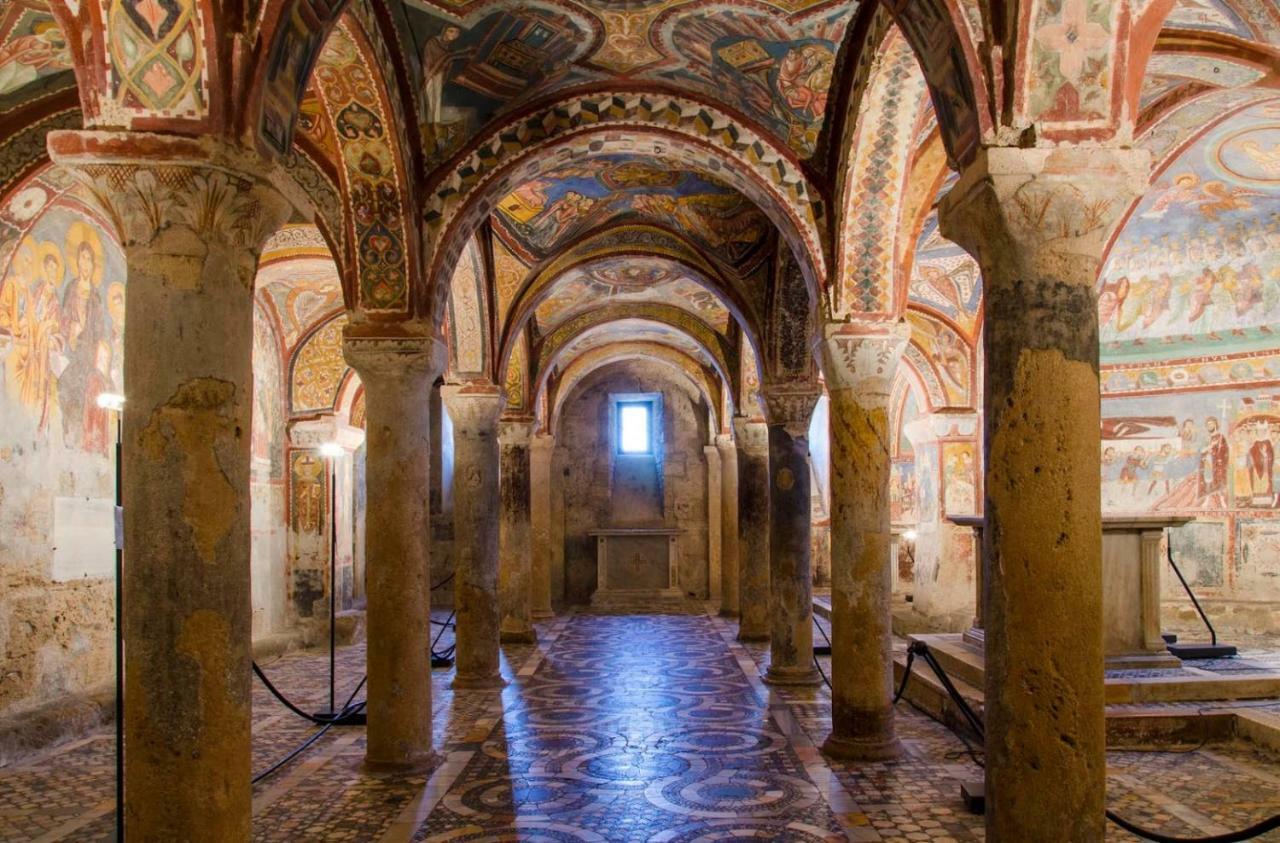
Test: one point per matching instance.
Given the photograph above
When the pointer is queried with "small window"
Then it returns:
(634, 423)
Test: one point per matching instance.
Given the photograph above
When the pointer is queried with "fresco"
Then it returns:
(471, 71)
(61, 323)
(1248, 19)
(1198, 262)
(467, 326)
(946, 278)
(32, 46)
(627, 280)
(947, 353)
(157, 56)
(299, 292)
(267, 440)
(775, 66)
(959, 478)
(318, 369)
(546, 211)
(635, 331)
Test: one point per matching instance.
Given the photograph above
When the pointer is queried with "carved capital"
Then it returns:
(473, 409)
(148, 184)
(751, 435)
(516, 432)
(1042, 213)
(402, 356)
(790, 406)
(862, 361)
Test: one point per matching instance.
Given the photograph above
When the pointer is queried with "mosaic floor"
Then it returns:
(624, 727)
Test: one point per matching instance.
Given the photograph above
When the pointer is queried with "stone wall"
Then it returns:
(583, 462)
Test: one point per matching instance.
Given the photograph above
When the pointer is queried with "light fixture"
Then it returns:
(111, 401)
(331, 449)
(909, 535)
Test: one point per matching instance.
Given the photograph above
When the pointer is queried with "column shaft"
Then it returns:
(474, 412)
(1046, 753)
(192, 254)
(540, 517)
(398, 373)
(790, 550)
(859, 370)
(728, 526)
(752, 437)
(515, 561)
(715, 544)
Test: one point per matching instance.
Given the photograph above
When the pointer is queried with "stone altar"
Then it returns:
(637, 562)
(1131, 566)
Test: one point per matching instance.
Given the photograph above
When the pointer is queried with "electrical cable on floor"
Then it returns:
(1262, 827)
(347, 709)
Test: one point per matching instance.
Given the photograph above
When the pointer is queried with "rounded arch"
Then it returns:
(583, 366)
(689, 134)
(666, 318)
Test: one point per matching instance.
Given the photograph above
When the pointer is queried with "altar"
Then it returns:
(1131, 567)
(637, 562)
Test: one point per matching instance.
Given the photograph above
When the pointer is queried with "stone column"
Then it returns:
(191, 218)
(859, 368)
(514, 555)
(474, 411)
(540, 452)
(728, 526)
(1038, 221)
(715, 543)
(789, 410)
(752, 438)
(398, 373)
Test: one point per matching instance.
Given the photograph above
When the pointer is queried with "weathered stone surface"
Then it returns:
(790, 550)
(191, 222)
(474, 412)
(752, 439)
(728, 526)
(515, 532)
(1038, 220)
(859, 368)
(397, 373)
(540, 518)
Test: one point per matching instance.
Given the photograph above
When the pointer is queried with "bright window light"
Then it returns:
(633, 428)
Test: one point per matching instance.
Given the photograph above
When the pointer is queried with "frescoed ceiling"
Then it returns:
(1197, 264)
(636, 331)
(1252, 20)
(544, 214)
(629, 280)
(34, 58)
(771, 61)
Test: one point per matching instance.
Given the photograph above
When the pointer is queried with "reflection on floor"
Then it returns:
(625, 727)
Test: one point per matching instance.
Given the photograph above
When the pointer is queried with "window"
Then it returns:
(634, 427)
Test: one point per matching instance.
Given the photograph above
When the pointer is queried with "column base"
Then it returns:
(478, 682)
(753, 637)
(791, 676)
(418, 763)
(518, 636)
(861, 749)
(729, 613)
(542, 614)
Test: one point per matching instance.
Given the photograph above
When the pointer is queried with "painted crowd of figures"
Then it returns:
(60, 329)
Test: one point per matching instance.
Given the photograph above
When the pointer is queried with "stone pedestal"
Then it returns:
(637, 563)
(790, 551)
(728, 526)
(398, 373)
(1038, 221)
(191, 219)
(1131, 565)
(976, 633)
(540, 523)
(474, 411)
(859, 368)
(515, 547)
(752, 438)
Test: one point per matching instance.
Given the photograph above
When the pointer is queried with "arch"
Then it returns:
(469, 323)
(317, 368)
(550, 348)
(686, 132)
(381, 237)
(586, 364)
(664, 244)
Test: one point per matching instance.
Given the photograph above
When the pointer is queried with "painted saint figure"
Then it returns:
(1214, 460)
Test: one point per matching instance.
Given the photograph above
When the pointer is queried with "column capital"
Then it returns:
(145, 183)
(517, 431)
(543, 442)
(724, 441)
(312, 433)
(712, 452)
(1043, 212)
(751, 435)
(473, 408)
(790, 405)
(412, 351)
(861, 359)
